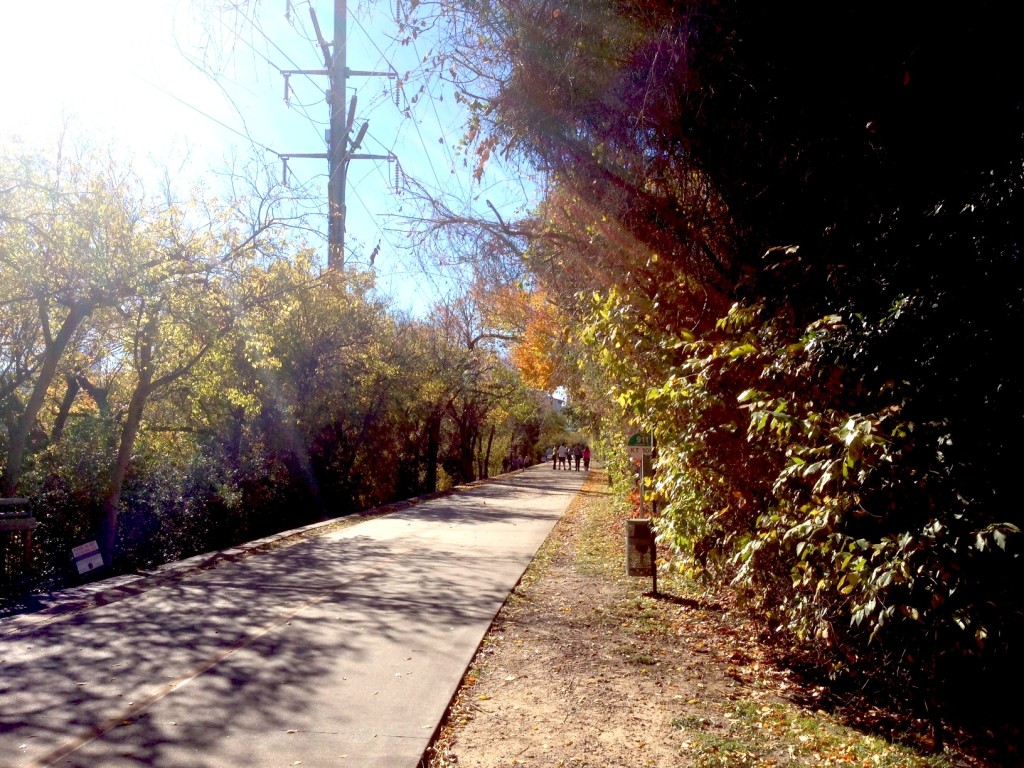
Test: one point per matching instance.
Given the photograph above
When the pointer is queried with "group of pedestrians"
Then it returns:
(565, 456)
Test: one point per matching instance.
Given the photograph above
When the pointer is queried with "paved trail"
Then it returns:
(341, 650)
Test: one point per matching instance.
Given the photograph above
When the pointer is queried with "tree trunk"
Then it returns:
(487, 456)
(433, 428)
(47, 371)
(65, 408)
(236, 431)
(466, 449)
(130, 431)
(112, 502)
(99, 395)
(433, 452)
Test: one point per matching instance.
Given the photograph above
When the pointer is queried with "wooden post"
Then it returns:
(15, 516)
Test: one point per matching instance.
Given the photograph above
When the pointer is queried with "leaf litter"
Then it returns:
(584, 667)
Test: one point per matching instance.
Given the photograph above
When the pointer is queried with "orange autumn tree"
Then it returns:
(530, 324)
(534, 354)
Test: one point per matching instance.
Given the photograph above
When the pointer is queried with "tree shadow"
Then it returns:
(686, 602)
(159, 675)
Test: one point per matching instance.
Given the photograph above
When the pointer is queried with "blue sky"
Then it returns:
(120, 70)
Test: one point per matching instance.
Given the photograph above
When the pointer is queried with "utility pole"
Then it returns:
(340, 148)
(336, 161)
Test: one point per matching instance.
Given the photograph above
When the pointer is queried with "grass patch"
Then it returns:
(601, 542)
(780, 734)
(635, 656)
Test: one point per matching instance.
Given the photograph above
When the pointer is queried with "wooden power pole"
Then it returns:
(337, 163)
(341, 147)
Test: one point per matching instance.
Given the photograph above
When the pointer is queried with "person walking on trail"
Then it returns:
(586, 458)
(554, 457)
(562, 453)
(577, 454)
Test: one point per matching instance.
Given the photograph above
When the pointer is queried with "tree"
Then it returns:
(189, 298)
(68, 237)
(792, 256)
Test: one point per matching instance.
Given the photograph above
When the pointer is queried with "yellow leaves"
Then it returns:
(535, 353)
(742, 350)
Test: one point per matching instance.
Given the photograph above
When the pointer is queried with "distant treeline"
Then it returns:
(180, 376)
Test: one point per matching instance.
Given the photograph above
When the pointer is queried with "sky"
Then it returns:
(181, 88)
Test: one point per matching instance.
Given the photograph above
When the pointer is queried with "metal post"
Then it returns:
(641, 485)
(654, 562)
(654, 545)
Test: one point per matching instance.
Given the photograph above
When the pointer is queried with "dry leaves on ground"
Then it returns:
(584, 667)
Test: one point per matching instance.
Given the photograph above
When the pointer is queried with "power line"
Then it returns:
(259, 29)
(248, 137)
(341, 148)
(337, 167)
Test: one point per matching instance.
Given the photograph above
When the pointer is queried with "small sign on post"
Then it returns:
(87, 557)
(641, 548)
(639, 445)
(642, 551)
(639, 541)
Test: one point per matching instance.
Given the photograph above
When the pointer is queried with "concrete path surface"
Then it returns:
(343, 649)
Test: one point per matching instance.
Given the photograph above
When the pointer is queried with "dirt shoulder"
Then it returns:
(584, 667)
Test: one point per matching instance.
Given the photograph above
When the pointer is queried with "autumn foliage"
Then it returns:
(788, 241)
(177, 376)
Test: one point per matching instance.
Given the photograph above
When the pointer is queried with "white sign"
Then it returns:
(87, 557)
(637, 452)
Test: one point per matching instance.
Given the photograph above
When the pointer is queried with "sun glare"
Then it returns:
(108, 66)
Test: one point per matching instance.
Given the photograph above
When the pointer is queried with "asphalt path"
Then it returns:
(343, 649)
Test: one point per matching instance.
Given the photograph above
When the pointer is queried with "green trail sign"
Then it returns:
(639, 446)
